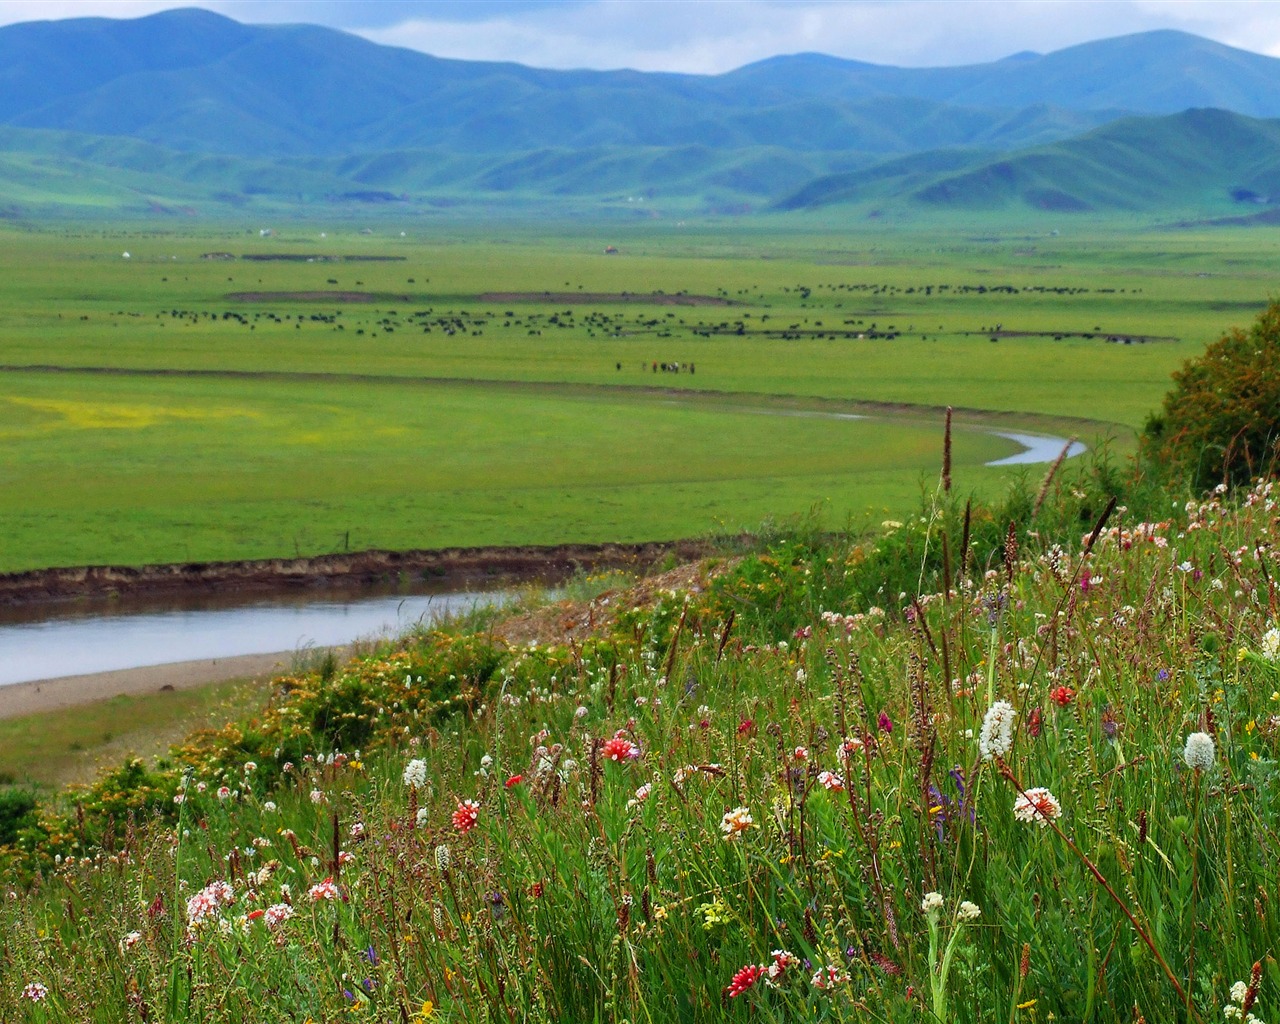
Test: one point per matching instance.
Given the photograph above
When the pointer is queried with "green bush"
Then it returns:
(16, 806)
(1221, 421)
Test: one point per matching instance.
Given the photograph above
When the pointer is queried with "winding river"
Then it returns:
(79, 641)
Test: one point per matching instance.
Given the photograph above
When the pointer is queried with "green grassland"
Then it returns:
(148, 415)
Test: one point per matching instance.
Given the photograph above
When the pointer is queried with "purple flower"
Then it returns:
(885, 722)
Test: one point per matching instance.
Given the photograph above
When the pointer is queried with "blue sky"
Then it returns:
(708, 36)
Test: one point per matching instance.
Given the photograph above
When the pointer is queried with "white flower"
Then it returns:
(423, 816)
(996, 738)
(1198, 752)
(1270, 646)
(1038, 805)
(269, 806)
(1238, 991)
(415, 773)
(735, 822)
(931, 903)
(968, 911)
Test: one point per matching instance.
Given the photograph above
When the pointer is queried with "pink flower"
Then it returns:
(224, 792)
(209, 901)
(885, 722)
(619, 748)
(800, 753)
(830, 780)
(744, 980)
(326, 890)
(35, 991)
(465, 817)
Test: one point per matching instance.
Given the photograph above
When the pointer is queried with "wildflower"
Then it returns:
(932, 902)
(968, 911)
(357, 830)
(580, 712)
(1035, 723)
(735, 822)
(250, 766)
(422, 817)
(269, 806)
(317, 796)
(1062, 695)
(828, 977)
(443, 857)
(849, 750)
(996, 737)
(619, 748)
(744, 980)
(800, 753)
(885, 722)
(209, 901)
(276, 915)
(326, 890)
(513, 781)
(830, 780)
(415, 773)
(35, 991)
(1198, 752)
(130, 940)
(465, 817)
(1270, 646)
(783, 960)
(642, 794)
(224, 792)
(1038, 805)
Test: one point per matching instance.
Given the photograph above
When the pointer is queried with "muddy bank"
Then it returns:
(464, 567)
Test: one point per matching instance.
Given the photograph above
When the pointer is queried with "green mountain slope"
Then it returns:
(1199, 159)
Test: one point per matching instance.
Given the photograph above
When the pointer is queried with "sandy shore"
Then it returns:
(32, 698)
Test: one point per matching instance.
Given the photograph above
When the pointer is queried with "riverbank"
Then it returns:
(45, 695)
(463, 568)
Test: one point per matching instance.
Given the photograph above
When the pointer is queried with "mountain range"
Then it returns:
(187, 110)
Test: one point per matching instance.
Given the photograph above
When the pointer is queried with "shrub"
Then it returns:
(1221, 421)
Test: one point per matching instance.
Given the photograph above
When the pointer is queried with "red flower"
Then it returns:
(537, 889)
(1062, 695)
(515, 780)
(744, 979)
(464, 818)
(746, 727)
(619, 748)
(1035, 722)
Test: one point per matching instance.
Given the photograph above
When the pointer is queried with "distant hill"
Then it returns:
(190, 109)
(1198, 159)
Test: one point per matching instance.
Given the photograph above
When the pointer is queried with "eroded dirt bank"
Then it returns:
(464, 567)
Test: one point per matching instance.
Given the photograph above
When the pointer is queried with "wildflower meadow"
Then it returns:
(1009, 763)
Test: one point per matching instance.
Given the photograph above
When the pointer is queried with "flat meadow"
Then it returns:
(470, 386)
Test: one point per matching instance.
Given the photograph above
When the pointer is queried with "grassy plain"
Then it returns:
(423, 415)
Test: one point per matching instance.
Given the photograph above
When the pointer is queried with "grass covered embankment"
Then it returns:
(770, 789)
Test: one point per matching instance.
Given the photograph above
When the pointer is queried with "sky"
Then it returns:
(711, 36)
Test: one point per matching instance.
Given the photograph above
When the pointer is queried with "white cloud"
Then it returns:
(709, 36)
(716, 35)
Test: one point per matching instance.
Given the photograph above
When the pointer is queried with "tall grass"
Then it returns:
(781, 796)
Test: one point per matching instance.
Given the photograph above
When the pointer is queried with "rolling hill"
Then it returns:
(1198, 159)
(192, 110)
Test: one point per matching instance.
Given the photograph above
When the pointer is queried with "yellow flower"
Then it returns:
(1028, 1005)
(428, 1011)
